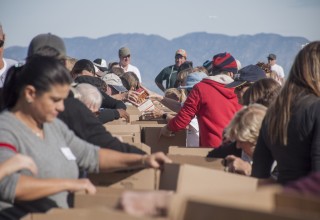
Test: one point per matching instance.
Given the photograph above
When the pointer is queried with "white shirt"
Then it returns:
(3, 72)
(278, 69)
(134, 69)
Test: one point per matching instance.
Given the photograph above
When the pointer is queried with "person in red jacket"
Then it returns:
(212, 103)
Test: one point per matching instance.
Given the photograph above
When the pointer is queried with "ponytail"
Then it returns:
(11, 88)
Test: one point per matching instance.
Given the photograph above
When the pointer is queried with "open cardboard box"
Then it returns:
(143, 147)
(129, 133)
(195, 180)
(150, 135)
(294, 202)
(82, 214)
(239, 206)
(105, 197)
(212, 163)
(145, 179)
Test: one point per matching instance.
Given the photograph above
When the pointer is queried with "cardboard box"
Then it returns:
(129, 133)
(293, 202)
(150, 135)
(195, 151)
(205, 208)
(143, 147)
(134, 113)
(194, 180)
(146, 179)
(105, 197)
(141, 121)
(119, 121)
(212, 163)
(82, 214)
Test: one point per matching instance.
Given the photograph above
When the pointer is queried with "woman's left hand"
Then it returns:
(155, 160)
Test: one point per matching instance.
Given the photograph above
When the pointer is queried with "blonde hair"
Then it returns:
(178, 93)
(246, 124)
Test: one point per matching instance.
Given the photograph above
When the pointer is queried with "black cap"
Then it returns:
(272, 56)
(248, 74)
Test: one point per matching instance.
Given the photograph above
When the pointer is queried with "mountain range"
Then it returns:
(151, 53)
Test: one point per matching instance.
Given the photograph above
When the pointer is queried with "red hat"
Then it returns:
(224, 62)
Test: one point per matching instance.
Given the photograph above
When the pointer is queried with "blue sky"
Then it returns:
(23, 19)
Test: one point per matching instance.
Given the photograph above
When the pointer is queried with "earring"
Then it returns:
(29, 101)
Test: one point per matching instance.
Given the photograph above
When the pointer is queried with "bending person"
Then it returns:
(33, 96)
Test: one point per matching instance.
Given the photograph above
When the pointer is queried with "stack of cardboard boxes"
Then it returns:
(202, 190)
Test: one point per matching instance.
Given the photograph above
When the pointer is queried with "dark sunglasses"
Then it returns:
(1, 43)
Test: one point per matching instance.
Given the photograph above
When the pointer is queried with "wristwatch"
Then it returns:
(164, 116)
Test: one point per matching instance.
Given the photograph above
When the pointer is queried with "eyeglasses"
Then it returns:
(1, 43)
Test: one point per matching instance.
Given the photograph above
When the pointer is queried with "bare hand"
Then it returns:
(81, 185)
(150, 203)
(123, 114)
(156, 113)
(156, 160)
(19, 162)
(237, 165)
(166, 132)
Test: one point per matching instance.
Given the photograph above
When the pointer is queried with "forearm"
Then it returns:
(160, 86)
(30, 188)
(109, 160)
(3, 173)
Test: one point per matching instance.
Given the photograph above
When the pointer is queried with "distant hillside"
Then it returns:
(151, 53)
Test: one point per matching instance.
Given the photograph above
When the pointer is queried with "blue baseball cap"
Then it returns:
(248, 74)
(192, 79)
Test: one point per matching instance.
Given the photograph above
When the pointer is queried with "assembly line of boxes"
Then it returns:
(201, 188)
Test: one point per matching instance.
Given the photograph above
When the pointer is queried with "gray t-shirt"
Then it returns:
(50, 155)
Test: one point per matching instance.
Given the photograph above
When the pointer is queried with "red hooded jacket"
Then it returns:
(213, 104)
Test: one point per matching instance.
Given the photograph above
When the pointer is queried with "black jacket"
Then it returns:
(86, 126)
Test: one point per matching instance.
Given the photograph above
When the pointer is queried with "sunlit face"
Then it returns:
(179, 60)
(247, 147)
(271, 62)
(125, 61)
(46, 106)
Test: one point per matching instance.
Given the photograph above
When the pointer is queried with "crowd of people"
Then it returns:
(53, 108)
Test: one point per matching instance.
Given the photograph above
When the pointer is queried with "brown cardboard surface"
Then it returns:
(129, 133)
(195, 151)
(105, 197)
(294, 202)
(213, 163)
(119, 121)
(143, 147)
(146, 179)
(83, 214)
(150, 136)
(151, 122)
(204, 208)
(196, 180)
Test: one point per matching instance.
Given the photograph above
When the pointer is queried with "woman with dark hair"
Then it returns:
(83, 67)
(290, 132)
(33, 97)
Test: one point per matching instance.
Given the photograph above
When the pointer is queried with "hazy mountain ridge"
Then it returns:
(151, 53)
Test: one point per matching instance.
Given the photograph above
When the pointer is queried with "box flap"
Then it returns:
(195, 151)
(195, 180)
